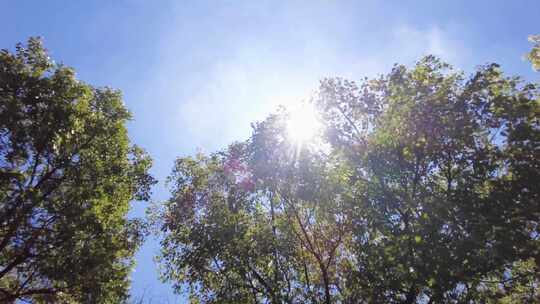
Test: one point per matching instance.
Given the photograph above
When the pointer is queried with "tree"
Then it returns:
(67, 175)
(420, 188)
(449, 169)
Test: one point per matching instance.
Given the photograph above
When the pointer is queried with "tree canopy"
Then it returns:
(67, 174)
(420, 187)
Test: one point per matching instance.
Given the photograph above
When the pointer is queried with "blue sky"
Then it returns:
(195, 74)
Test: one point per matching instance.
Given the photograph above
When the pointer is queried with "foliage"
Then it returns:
(421, 188)
(534, 55)
(67, 174)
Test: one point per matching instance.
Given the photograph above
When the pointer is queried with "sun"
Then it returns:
(303, 123)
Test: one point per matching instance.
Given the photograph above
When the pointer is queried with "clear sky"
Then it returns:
(195, 74)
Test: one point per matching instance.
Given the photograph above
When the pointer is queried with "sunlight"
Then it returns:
(303, 123)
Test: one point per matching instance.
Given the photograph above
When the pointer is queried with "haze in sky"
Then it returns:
(195, 74)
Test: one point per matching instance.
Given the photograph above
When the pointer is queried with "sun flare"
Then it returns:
(303, 123)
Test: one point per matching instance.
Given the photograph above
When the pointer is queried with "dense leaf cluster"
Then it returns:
(534, 55)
